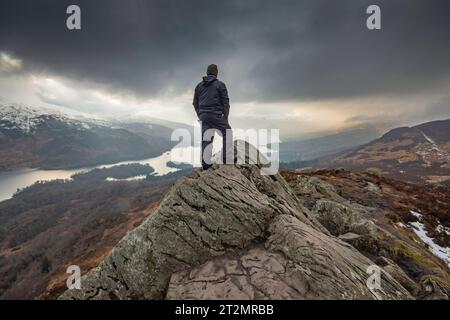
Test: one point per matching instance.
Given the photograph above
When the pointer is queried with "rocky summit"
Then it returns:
(231, 232)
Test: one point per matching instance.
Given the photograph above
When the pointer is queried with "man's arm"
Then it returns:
(195, 102)
(224, 99)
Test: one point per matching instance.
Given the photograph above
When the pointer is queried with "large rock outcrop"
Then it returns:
(231, 232)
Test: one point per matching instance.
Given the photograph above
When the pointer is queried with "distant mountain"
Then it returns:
(323, 146)
(149, 120)
(419, 154)
(31, 137)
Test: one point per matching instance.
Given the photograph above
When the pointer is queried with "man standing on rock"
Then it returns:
(212, 106)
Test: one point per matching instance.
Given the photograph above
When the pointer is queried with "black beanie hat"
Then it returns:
(212, 70)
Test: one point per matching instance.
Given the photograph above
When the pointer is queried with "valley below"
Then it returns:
(50, 225)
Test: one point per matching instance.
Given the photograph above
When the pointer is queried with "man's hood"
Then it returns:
(209, 79)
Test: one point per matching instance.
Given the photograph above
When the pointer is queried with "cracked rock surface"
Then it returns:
(231, 232)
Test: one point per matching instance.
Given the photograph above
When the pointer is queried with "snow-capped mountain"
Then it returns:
(16, 116)
(39, 137)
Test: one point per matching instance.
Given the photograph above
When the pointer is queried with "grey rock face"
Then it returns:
(431, 289)
(339, 218)
(335, 213)
(313, 189)
(255, 273)
(296, 262)
(231, 232)
(332, 269)
(398, 274)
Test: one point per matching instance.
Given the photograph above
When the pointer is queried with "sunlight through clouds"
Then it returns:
(9, 63)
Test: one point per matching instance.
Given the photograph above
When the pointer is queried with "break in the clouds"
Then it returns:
(275, 54)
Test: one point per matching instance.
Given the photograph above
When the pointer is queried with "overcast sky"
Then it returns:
(305, 67)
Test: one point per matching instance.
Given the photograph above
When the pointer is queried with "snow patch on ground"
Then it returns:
(431, 152)
(431, 141)
(437, 250)
(401, 225)
(441, 228)
(416, 214)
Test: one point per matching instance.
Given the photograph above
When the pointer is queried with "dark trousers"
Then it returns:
(218, 123)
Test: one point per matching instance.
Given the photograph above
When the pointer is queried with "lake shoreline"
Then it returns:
(12, 181)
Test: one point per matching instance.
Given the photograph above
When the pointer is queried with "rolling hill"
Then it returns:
(418, 154)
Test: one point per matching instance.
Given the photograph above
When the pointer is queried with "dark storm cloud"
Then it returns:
(269, 50)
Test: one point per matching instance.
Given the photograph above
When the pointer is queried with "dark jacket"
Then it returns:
(211, 96)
